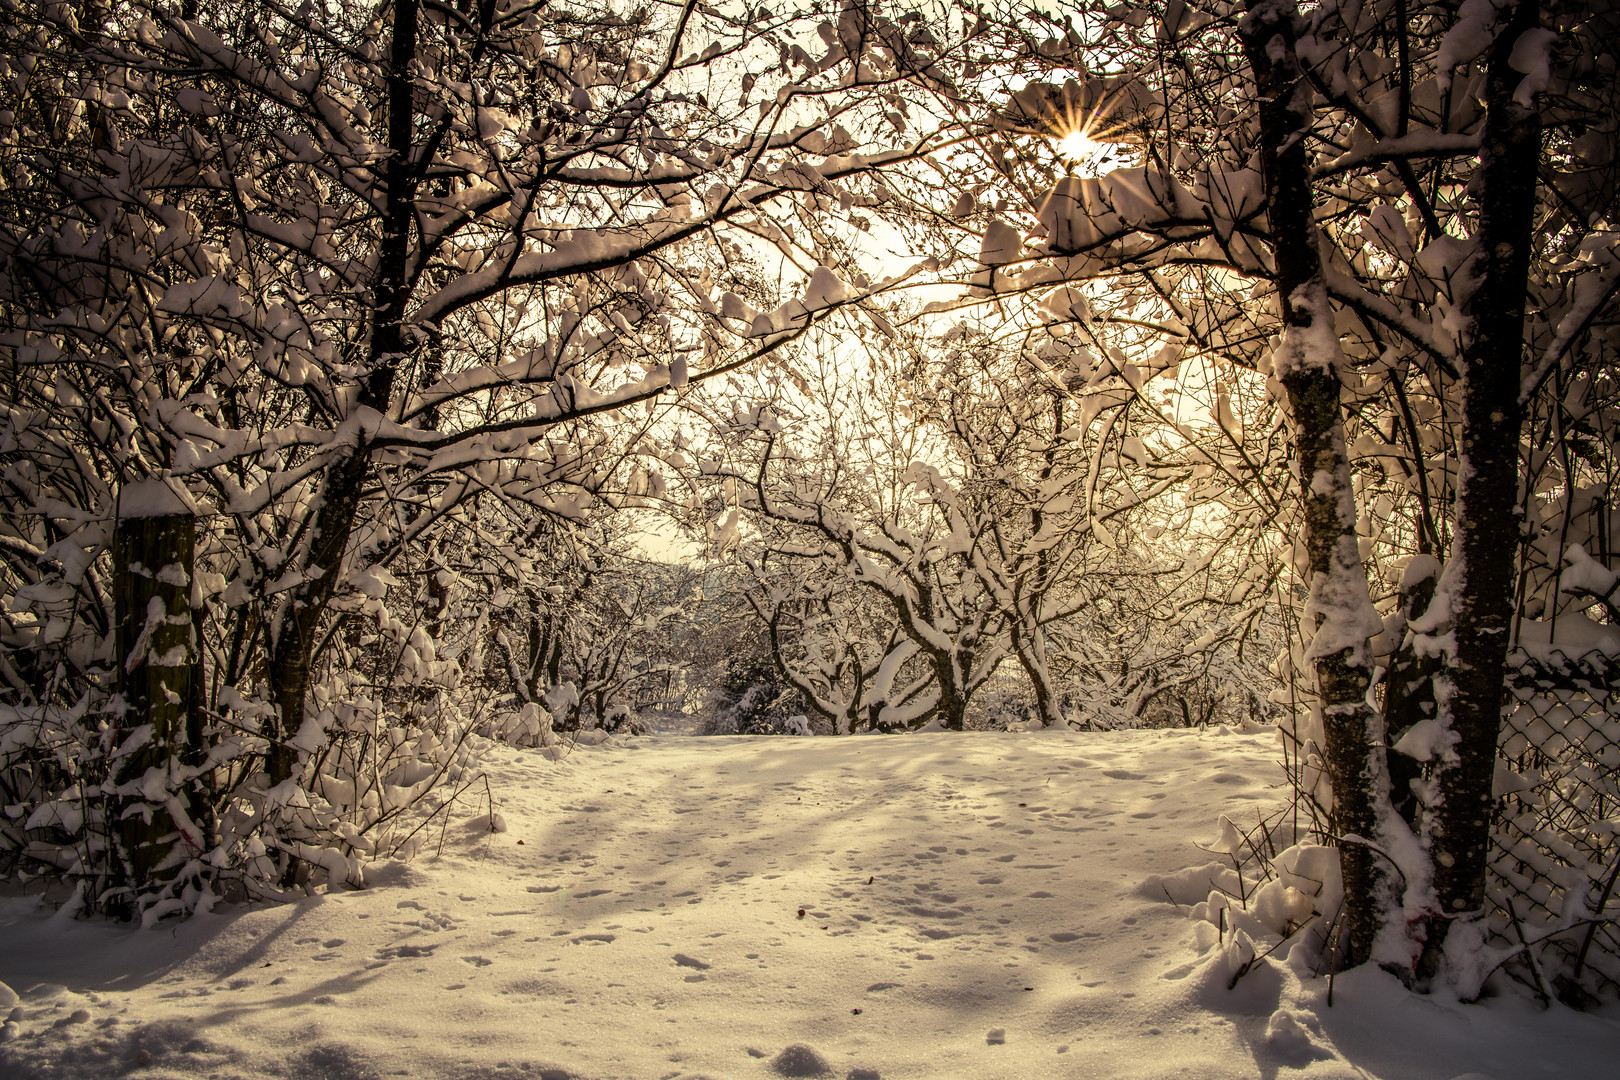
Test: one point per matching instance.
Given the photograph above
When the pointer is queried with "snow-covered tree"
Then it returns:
(1327, 198)
(329, 278)
(1029, 485)
(859, 496)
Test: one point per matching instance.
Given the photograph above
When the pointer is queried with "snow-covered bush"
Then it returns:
(797, 724)
(1263, 896)
(621, 720)
(753, 699)
(528, 724)
(368, 778)
(1002, 703)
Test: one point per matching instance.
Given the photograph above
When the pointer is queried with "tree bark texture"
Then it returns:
(1408, 696)
(1350, 725)
(153, 558)
(1487, 517)
(1026, 646)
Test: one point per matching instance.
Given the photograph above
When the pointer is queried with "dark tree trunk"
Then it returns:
(1024, 648)
(293, 646)
(534, 666)
(293, 640)
(154, 559)
(1350, 726)
(952, 702)
(1408, 697)
(1487, 519)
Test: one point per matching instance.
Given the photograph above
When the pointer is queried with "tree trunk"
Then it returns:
(154, 551)
(1409, 689)
(293, 638)
(1027, 647)
(293, 644)
(1028, 639)
(1339, 612)
(1457, 829)
(534, 665)
(952, 702)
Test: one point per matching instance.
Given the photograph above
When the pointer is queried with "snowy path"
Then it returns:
(970, 909)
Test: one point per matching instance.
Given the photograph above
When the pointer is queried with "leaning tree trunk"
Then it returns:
(154, 554)
(1307, 361)
(1030, 650)
(293, 638)
(1457, 827)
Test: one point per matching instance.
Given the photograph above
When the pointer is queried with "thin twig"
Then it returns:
(1591, 929)
(1543, 991)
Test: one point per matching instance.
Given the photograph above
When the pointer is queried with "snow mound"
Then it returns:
(1288, 1040)
(1189, 886)
(800, 1060)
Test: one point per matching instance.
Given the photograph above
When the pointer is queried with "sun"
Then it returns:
(1078, 145)
(1083, 145)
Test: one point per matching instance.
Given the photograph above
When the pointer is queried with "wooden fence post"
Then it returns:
(154, 552)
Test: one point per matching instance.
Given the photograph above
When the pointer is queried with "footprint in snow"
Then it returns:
(399, 952)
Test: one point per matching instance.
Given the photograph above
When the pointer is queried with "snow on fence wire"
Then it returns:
(1556, 849)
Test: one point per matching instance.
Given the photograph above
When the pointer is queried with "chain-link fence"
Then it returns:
(1557, 838)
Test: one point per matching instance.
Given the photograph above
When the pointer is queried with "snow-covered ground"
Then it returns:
(930, 906)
